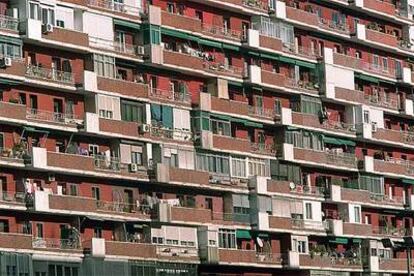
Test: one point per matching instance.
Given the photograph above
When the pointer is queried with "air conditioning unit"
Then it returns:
(374, 127)
(51, 177)
(133, 167)
(47, 28)
(140, 50)
(5, 62)
(144, 128)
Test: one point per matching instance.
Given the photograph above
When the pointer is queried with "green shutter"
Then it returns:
(367, 78)
(243, 234)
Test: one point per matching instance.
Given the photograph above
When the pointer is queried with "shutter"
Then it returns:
(125, 153)
(177, 114)
(172, 232)
(245, 203)
(237, 200)
(185, 119)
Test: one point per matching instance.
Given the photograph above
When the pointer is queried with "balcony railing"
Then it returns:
(335, 125)
(166, 133)
(256, 4)
(38, 72)
(116, 46)
(9, 23)
(15, 154)
(407, 166)
(169, 95)
(107, 163)
(390, 231)
(56, 243)
(223, 68)
(300, 50)
(50, 116)
(220, 31)
(262, 148)
(117, 207)
(334, 26)
(381, 101)
(12, 197)
(309, 224)
(263, 112)
(115, 6)
(298, 84)
(308, 190)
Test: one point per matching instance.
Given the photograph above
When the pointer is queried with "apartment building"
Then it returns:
(232, 137)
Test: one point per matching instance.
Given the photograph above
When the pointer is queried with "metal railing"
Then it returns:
(49, 74)
(184, 97)
(15, 154)
(15, 197)
(334, 26)
(118, 207)
(116, 46)
(43, 115)
(221, 67)
(409, 165)
(257, 4)
(220, 31)
(176, 134)
(390, 231)
(309, 86)
(381, 101)
(335, 125)
(263, 112)
(115, 6)
(386, 199)
(300, 50)
(107, 163)
(262, 148)
(55, 243)
(309, 224)
(176, 251)
(9, 23)
(343, 158)
(309, 190)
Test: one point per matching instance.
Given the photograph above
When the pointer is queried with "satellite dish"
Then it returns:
(259, 242)
(292, 185)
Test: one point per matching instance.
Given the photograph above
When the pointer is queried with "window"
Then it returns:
(34, 11)
(136, 158)
(1, 140)
(171, 7)
(132, 111)
(221, 127)
(97, 232)
(299, 246)
(366, 117)
(187, 201)
(62, 270)
(226, 24)
(278, 107)
(308, 210)
(227, 238)
(96, 193)
(385, 63)
(259, 167)
(104, 66)
(39, 230)
(238, 167)
(73, 189)
(60, 23)
(10, 50)
(93, 150)
(375, 61)
(157, 240)
(48, 16)
(212, 163)
(357, 214)
(173, 160)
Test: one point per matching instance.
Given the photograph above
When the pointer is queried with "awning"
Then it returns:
(338, 141)
(263, 235)
(231, 47)
(243, 234)
(11, 40)
(287, 60)
(253, 124)
(176, 34)
(127, 24)
(270, 56)
(305, 64)
(367, 78)
(235, 84)
(209, 43)
(222, 117)
(408, 181)
(339, 241)
(356, 240)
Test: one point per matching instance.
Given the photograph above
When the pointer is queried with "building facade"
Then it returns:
(232, 137)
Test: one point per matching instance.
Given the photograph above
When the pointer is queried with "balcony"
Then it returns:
(238, 256)
(117, 47)
(17, 70)
(389, 102)
(405, 137)
(262, 148)
(177, 253)
(167, 174)
(296, 224)
(305, 17)
(15, 241)
(272, 43)
(302, 51)
(56, 244)
(394, 166)
(12, 111)
(264, 113)
(180, 60)
(181, 22)
(285, 187)
(15, 155)
(229, 106)
(359, 64)
(220, 32)
(71, 120)
(380, 6)
(364, 196)
(391, 265)
(330, 261)
(67, 36)
(223, 69)
(357, 229)
(308, 87)
(8, 23)
(48, 74)
(123, 87)
(13, 198)
(177, 97)
(390, 231)
(381, 38)
(115, 7)
(272, 78)
(313, 121)
(346, 160)
(230, 143)
(336, 27)
(131, 249)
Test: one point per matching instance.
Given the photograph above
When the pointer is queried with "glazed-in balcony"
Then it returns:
(285, 187)
(117, 47)
(319, 261)
(229, 106)
(50, 75)
(344, 159)
(9, 24)
(53, 117)
(357, 229)
(15, 241)
(311, 120)
(296, 224)
(123, 87)
(248, 257)
(406, 137)
(57, 245)
(67, 36)
(178, 97)
(118, 8)
(359, 64)
(302, 16)
(381, 37)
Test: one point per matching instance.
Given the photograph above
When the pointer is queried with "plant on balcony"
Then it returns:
(13, 100)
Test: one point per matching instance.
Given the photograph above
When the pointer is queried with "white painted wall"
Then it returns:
(66, 15)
